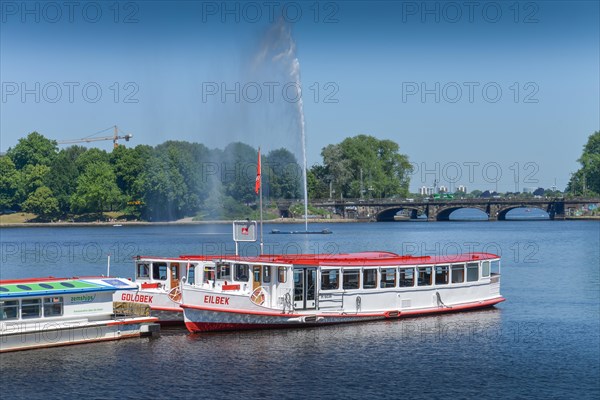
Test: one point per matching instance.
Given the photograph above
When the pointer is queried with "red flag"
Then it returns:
(257, 183)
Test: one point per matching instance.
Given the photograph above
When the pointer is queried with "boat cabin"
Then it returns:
(158, 273)
(352, 283)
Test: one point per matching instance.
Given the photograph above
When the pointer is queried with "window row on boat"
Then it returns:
(31, 308)
(391, 277)
(349, 278)
(238, 273)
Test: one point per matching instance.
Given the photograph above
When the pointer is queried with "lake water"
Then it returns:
(543, 342)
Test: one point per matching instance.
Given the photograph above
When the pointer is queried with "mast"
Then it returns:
(260, 205)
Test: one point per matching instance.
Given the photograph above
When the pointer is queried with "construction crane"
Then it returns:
(115, 138)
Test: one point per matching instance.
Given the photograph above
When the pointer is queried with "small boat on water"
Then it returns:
(47, 312)
(281, 291)
(321, 232)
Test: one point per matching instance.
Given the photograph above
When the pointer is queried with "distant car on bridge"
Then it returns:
(438, 196)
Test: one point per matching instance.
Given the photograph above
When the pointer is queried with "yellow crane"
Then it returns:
(115, 138)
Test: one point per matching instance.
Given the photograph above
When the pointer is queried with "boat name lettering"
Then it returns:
(82, 299)
(138, 298)
(216, 300)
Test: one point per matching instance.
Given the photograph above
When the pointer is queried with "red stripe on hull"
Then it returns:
(196, 327)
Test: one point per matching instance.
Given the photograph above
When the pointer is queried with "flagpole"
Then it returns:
(260, 202)
(261, 218)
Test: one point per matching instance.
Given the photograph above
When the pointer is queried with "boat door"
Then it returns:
(256, 276)
(174, 267)
(305, 282)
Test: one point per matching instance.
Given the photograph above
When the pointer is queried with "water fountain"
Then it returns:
(280, 42)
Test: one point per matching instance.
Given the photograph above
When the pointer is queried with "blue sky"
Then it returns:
(497, 94)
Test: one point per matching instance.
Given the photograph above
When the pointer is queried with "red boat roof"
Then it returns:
(368, 258)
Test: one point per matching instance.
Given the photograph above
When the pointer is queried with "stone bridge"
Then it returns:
(440, 209)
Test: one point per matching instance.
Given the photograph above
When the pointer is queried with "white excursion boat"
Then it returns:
(157, 281)
(277, 291)
(47, 312)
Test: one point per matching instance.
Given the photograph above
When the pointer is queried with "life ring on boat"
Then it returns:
(175, 294)
(258, 296)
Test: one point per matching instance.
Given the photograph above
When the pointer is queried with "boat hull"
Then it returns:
(203, 319)
(44, 334)
(161, 305)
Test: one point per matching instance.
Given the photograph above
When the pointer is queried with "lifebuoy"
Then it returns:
(258, 296)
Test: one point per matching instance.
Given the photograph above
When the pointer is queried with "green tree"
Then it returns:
(284, 174)
(318, 182)
(129, 164)
(190, 160)
(42, 203)
(97, 189)
(91, 156)
(238, 171)
(163, 188)
(586, 181)
(29, 179)
(9, 183)
(35, 149)
(385, 172)
(63, 175)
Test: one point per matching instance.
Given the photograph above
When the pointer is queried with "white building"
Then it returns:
(426, 191)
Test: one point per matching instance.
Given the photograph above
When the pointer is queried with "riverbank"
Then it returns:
(178, 222)
(189, 222)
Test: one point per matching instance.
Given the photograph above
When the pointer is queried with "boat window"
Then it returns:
(266, 274)
(495, 269)
(191, 274)
(458, 273)
(31, 308)
(241, 273)
(46, 286)
(485, 269)
(472, 272)
(281, 275)
(224, 271)
(143, 270)
(330, 279)
(209, 273)
(441, 274)
(424, 276)
(351, 279)
(369, 278)
(23, 287)
(388, 277)
(175, 271)
(67, 284)
(53, 306)
(159, 271)
(256, 274)
(9, 309)
(407, 277)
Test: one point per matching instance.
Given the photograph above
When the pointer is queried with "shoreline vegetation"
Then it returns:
(179, 181)
(187, 221)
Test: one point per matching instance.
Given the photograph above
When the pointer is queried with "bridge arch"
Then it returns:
(388, 214)
(443, 214)
(503, 211)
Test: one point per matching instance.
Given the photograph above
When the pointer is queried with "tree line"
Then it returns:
(586, 181)
(179, 179)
